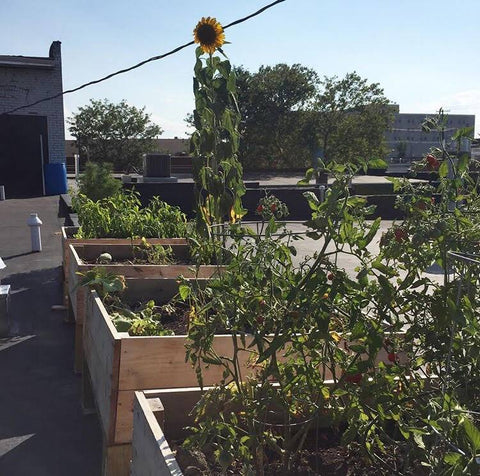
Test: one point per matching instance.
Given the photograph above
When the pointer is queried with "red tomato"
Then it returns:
(400, 235)
(432, 161)
(392, 357)
(354, 378)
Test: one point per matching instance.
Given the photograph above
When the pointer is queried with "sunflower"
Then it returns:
(209, 33)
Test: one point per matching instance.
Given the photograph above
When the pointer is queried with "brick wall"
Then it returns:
(28, 81)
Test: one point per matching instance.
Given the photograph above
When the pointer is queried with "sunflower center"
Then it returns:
(206, 34)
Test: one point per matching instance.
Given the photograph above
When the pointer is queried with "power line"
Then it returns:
(138, 65)
(419, 129)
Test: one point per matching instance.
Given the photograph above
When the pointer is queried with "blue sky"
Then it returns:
(424, 53)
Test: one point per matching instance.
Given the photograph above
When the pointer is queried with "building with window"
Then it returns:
(408, 142)
(33, 136)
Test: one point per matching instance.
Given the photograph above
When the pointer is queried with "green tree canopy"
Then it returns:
(116, 133)
(276, 126)
(351, 117)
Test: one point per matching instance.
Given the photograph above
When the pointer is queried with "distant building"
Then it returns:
(408, 142)
(33, 136)
(175, 147)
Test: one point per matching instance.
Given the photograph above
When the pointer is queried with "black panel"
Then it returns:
(20, 154)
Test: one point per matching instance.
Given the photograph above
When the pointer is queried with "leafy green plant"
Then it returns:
(152, 254)
(97, 181)
(121, 216)
(103, 281)
(145, 321)
(387, 359)
(271, 207)
(291, 320)
(216, 170)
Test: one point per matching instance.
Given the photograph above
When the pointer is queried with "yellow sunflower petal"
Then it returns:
(335, 336)
(209, 34)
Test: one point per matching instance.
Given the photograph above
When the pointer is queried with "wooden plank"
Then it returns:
(79, 252)
(159, 362)
(123, 251)
(78, 349)
(157, 271)
(88, 398)
(102, 353)
(157, 409)
(75, 291)
(100, 365)
(67, 238)
(177, 403)
(116, 460)
(151, 455)
(124, 421)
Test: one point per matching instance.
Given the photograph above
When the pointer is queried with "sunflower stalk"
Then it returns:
(216, 169)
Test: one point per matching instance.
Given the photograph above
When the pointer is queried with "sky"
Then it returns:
(423, 53)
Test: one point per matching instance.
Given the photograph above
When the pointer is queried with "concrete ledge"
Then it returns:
(64, 205)
(71, 220)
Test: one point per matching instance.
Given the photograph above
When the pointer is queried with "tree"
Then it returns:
(97, 181)
(276, 127)
(351, 118)
(116, 133)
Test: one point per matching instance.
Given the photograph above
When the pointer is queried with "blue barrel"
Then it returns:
(55, 179)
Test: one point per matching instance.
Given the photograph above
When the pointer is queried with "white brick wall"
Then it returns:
(23, 85)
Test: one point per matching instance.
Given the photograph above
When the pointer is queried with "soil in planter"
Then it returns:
(178, 321)
(322, 461)
(173, 317)
(141, 319)
(138, 261)
(141, 256)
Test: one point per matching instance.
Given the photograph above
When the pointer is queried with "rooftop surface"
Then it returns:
(42, 428)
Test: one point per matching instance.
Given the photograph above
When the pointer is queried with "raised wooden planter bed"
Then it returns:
(151, 455)
(68, 233)
(160, 416)
(119, 364)
(167, 287)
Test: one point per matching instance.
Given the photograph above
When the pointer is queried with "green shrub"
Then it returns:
(97, 182)
(121, 216)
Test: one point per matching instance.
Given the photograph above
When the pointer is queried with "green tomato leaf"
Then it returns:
(225, 458)
(452, 458)
(184, 291)
(443, 170)
(473, 434)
